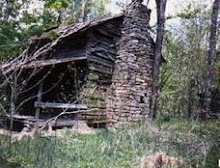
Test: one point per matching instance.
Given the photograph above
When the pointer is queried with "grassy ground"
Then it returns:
(196, 142)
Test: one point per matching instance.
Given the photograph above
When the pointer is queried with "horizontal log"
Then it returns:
(108, 56)
(35, 64)
(100, 69)
(104, 49)
(98, 62)
(57, 123)
(60, 123)
(61, 105)
(21, 117)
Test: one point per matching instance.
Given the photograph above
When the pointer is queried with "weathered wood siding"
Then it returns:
(101, 53)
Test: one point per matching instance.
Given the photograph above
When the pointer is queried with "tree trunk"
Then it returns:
(161, 7)
(12, 106)
(8, 10)
(83, 11)
(211, 59)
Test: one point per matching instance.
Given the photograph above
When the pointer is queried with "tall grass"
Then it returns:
(196, 142)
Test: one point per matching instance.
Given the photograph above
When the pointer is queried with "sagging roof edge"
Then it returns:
(63, 32)
(75, 28)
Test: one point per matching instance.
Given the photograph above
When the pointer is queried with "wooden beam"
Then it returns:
(21, 117)
(61, 105)
(57, 123)
(37, 111)
(41, 63)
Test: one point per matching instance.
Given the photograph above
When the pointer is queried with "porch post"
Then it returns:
(37, 111)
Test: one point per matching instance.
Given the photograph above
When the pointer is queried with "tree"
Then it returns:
(73, 11)
(18, 22)
(185, 49)
(211, 59)
(161, 7)
(9, 36)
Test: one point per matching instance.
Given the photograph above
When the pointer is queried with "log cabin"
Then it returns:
(98, 71)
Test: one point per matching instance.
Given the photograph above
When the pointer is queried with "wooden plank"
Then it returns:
(61, 105)
(96, 60)
(57, 123)
(100, 69)
(35, 64)
(107, 56)
(21, 117)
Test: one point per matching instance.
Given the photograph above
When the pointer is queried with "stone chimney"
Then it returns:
(129, 95)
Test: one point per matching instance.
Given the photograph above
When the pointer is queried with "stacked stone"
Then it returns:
(130, 91)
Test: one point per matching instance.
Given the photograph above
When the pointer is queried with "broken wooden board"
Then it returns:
(41, 63)
(61, 105)
(21, 117)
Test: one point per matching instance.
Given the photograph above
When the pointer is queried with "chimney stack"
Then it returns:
(130, 92)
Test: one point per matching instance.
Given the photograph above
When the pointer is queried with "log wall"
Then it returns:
(101, 53)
